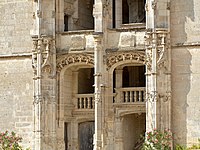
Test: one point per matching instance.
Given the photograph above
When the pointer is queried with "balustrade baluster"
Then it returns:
(126, 96)
(93, 102)
(80, 103)
(135, 96)
(140, 96)
(89, 102)
(84, 102)
(121, 97)
(144, 96)
(131, 96)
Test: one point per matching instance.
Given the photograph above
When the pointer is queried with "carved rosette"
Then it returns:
(74, 58)
(114, 58)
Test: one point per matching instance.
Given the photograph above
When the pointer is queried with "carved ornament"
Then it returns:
(41, 46)
(161, 42)
(74, 58)
(152, 96)
(118, 57)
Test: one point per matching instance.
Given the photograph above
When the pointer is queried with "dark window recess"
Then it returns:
(66, 136)
(86, 81)
(66, 23)
(125, 12)
(134, 76)
(113, 13)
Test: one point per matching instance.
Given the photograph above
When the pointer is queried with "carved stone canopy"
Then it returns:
(114, 58)
(74, 58)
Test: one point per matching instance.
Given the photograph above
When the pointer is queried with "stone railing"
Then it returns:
(130, 95)
(84, 101)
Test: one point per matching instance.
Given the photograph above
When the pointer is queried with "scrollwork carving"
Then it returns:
(74, 58)
(117, 57)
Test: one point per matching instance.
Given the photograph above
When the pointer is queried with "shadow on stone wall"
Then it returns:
(181, 80)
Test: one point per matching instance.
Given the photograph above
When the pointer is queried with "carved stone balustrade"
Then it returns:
(130, 95)
(84, 101)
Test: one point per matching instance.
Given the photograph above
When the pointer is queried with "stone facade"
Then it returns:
(96, 74)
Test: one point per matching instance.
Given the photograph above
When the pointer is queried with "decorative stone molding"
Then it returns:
(43, 47)
(74, 58)
(160, 41)
(69, 9)
(165, 97)
(152, 96)
(114, 58)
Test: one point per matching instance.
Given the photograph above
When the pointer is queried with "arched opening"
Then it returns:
(76, 105)
(129, 83)
(133, 128)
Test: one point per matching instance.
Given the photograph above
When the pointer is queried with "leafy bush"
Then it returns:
(10, 141)
(158, 140)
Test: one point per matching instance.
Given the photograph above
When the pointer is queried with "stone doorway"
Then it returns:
(86, 131)
(133, 127)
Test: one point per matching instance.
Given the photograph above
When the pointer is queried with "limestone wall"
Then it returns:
(16, 88)
(185, 92)
(16, 97)
(15, 25)
(185, 21)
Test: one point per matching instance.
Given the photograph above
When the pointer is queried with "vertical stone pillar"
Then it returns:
(158, 76)
(37, 65)
(98, 60)
(118, 134)
(118, 82)
(118, 79)
(118, 13)
(98, 15)
(75, 87)
(75, 139)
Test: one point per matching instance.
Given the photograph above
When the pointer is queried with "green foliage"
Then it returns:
(10, 141)
(195, 146)
(158, 140)
(180, 147)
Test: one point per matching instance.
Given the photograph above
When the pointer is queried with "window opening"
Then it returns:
(125, 12)
(85, 81)
(66, 22)
(134, 76)
(66, 135)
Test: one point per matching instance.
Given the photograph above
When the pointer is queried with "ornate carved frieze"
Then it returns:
(74, 58)
(114, 58)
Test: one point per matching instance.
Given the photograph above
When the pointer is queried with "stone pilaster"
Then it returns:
(98, 60)
(43, 62)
